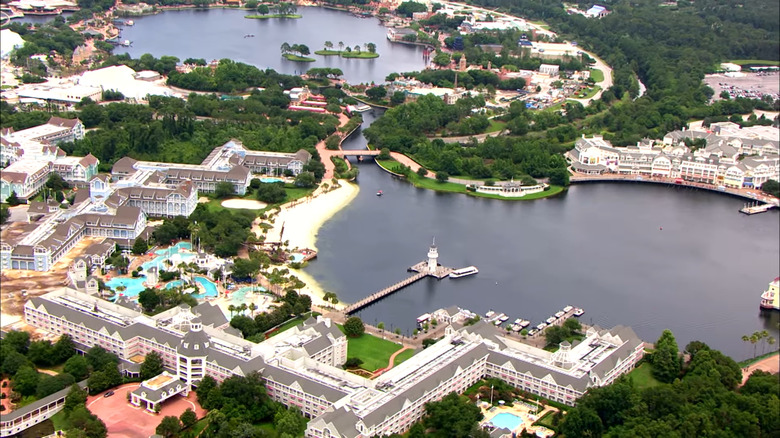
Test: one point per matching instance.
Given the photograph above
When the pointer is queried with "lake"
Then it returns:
(219, 33)
(598, 246)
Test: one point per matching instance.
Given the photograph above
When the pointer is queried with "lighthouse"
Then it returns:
(433, 257)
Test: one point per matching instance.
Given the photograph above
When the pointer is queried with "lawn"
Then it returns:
(546, 420)
(754, 62)
(373, 351)
(496, 125)
(591, 92)
(360, 55)
(60, 422)
(263, 17)
(432, 184)
(296, 58)
(597, 74)
(643, 376)
(294, 193)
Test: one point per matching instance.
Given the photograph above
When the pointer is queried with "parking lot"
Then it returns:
(752, 85)
(124, 420)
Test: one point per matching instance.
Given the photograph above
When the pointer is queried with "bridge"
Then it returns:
(354, 153)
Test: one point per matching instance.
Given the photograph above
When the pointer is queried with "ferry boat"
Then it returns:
(559, 314)
(470, 270)
(578, 312)
(770, 299)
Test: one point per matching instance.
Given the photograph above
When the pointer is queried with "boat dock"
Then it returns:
(755, 208)
(423, 269)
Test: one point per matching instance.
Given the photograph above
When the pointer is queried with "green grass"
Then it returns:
(263, 17)
(591, 92)
(326, 52)
(373, 351)
(296, 58)
(754, 62)
(496, 125)
(546, 421)
(294, 193)
(56, 368)
(60, 421)
(360, 55)
(643, 376)
(432, 184)
(597, 74)
(403, 356)
(747, 362)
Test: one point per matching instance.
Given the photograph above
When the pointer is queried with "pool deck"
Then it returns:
(523, 411)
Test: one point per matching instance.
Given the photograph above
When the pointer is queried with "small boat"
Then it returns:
(550, 320)
(525, 323)
(559, 314)
(578, 312)
(532, 332)
(249, 35)
(490, 314)
(362, 108)
(568, 309)
(541, 326)
(379, 193)
(503, 318)
(469, 270)
(496, 323)
(518, 321)
(129, 23)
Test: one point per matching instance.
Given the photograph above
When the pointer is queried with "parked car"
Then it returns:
(108, 394)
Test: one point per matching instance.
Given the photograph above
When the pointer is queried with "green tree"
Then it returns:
(271, 193)
(376, 93)
(12, 361)
(555, 334)
(453, 417)
(56, 183)
(251, 4)
(151, 366)
(666, 360)
(17, 340)
(48, 385)
(305, 180)
(224, 189)
(442, 176)
(263, 9)
(572, 325)
(149, 299)
(371, 47)
(140, 246)
(398, 98)
(354, 327)
(581, 422)
(5, 214)
(40, 353)
(100, 359)
(77, 367)
(83, 423)
(188, 418)
(13, 200)
(772, 187)
(25, 381)
(290, 421)
(76, 397)
(170, 426)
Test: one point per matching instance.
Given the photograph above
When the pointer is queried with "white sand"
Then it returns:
(246, 204)
(302, 221)
(301, 224)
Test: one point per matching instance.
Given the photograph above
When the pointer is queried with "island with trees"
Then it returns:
(281, 10)
(368, 50)
(296, 52)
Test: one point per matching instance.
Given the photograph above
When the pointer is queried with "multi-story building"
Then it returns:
(770, 299)
(301, 366)
(56, 130)
(159, 200)
(23, 177)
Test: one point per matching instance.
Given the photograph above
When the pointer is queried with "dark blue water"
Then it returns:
(219, 33)
(599, 247)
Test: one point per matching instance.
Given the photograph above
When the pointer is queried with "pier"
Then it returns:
(755, 208)
(429, 268)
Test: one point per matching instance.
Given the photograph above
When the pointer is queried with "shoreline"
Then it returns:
(302, 223)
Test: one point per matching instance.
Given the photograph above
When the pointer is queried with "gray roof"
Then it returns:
(194, 343)
(310, 386)
(210, 314)
(156, 394)
(20, 412)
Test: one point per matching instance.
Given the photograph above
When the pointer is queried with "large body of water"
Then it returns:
(599, 247)
(219, 34)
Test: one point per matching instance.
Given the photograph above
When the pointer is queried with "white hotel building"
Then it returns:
(301, 366)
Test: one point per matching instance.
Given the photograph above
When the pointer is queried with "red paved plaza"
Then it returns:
(124, 420)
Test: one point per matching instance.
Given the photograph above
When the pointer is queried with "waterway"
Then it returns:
(599, 247)
(219, 34)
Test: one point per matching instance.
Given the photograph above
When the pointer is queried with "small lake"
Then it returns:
(220, 33)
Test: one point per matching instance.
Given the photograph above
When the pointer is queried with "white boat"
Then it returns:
(497, 323)
(490, 314)
(550, 320)
(525, 323)
(362, 108)
(503, 318)
(559, 314)
(578, 312)
(469, 270)
(567, 309)
(518, 321)
(532, 332)
(379, 193)
(541, 326)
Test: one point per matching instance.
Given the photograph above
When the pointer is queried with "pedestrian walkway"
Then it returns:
(390, 362)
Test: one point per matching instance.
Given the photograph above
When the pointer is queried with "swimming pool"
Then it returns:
(173, 284)
(211, 288)
(271, 180)
(507, 420)
(133, 286)
(172, 253)
(296, 258)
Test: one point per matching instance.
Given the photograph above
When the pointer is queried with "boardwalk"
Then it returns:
(383, 293)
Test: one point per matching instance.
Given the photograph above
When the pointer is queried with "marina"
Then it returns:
(755, 208)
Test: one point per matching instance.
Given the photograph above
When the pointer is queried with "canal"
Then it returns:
(220, 33)
(599, 246)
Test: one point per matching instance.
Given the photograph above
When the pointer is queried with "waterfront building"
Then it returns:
(301, 366)
(770, 299)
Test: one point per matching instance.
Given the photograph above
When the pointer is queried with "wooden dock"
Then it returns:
(421, 272)
(755, 208)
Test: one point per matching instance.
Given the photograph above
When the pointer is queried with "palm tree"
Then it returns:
(764, 334)
(754, 340)
(341, 46)
(252, 308)
(771, 341)
(745, 338)
(328, 45)
(231, 309)
(242, 308)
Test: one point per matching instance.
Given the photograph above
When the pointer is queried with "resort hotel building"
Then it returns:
(301, 366)
(730, 157)
(114, 207)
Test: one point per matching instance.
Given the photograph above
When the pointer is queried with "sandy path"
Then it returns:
(770, 364)
(406, 161)
(326, 154)
(390, 362)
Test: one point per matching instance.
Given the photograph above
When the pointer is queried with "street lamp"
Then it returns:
(491, 395)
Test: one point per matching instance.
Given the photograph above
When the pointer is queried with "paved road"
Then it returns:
(770, 364)
(605, 84)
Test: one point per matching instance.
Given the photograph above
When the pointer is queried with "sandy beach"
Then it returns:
(302, 221)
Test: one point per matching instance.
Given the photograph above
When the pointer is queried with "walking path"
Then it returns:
(390, 362)
(770, 364)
